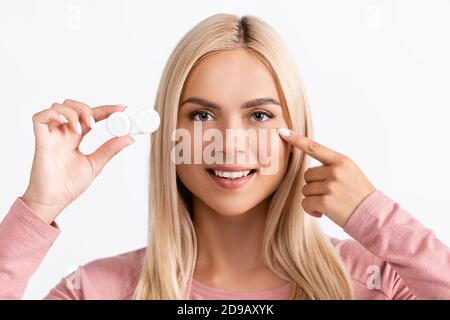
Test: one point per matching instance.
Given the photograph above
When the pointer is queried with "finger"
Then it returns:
(316, 214)
(103, 112)
(57, 121)
(71, 115)
(106, 151)
(315, 188)
(43, 119)
(313, 204)
(311, 147)
(318, 173)
(84, 112)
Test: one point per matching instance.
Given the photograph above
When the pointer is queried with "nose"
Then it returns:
(235, 144)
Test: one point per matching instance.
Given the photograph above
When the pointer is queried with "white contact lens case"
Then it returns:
(121, 123)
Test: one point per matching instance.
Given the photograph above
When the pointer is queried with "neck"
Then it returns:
(229, 245)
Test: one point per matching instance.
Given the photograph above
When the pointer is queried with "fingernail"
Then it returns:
(78, 126)
(63, 119)
(284, 132)
(121, 106)
(131, 141)
(91, 121)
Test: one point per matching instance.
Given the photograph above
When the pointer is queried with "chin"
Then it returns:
(233, 204)
(225, 209)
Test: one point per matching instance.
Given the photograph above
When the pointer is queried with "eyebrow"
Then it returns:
(246, 105)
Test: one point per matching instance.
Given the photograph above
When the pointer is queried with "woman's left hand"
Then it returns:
(335, 188)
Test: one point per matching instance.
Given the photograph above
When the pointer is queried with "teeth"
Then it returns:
(231, 174)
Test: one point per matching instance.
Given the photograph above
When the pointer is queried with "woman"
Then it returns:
(226, 231)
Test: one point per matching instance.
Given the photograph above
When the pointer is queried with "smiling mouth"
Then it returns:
(229, 178)
(231, 175)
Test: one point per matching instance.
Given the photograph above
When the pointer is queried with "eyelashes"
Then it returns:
(196, 114)
(267, 114)
(204, 115)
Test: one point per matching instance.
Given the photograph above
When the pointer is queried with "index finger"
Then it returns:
(103, 112)
(309, 146)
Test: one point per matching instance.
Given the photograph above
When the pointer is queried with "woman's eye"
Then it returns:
(260, 116)
(202, 116)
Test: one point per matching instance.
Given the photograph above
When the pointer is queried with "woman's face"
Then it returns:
(232, 91)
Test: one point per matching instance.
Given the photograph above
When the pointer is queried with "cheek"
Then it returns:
(191, 176)
(273, 154)
(274, 173)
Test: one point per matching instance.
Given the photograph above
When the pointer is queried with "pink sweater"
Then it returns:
(388, 245)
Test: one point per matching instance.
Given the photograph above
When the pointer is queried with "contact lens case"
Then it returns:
(121, 123)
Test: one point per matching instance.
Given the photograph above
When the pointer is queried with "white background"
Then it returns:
(377, 74)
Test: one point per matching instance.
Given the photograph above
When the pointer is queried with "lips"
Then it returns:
(231, 174)
(231, 178)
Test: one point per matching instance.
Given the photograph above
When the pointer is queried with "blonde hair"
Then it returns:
(293, 242)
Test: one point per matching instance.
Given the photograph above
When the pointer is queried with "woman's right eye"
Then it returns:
(201, 116)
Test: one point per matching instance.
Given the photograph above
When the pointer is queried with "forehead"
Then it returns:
(230, 77)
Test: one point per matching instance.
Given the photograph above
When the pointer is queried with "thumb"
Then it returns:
(106, 151)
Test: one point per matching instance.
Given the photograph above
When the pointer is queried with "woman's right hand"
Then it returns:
(60, 172)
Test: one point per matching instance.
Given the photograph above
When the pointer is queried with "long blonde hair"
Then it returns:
(292, 242)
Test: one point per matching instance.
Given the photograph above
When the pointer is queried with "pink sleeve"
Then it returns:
(389, 232)
(24, 242)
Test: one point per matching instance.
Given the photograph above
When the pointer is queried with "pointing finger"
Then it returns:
(310, 147)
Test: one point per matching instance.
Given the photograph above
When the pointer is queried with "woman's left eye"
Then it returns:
(261, 116)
